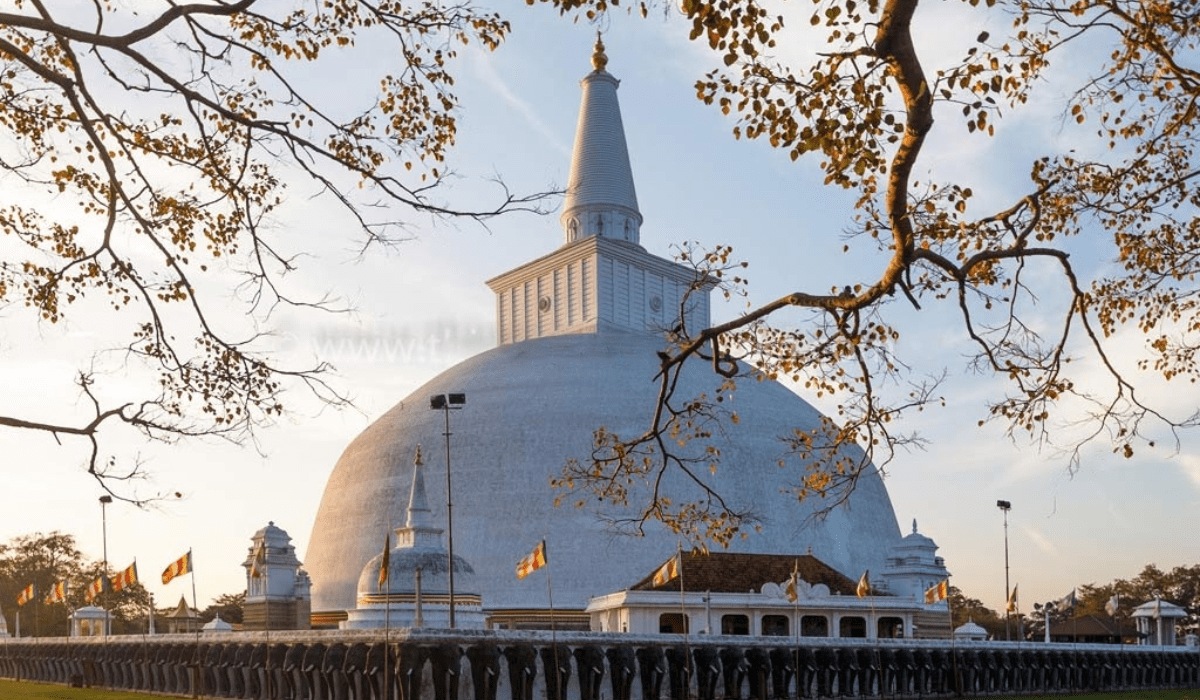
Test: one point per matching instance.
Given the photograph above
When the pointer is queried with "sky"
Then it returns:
(422, 307)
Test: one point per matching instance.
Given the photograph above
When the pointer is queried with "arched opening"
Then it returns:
(814, 626)
(852, 627)
(775, 626)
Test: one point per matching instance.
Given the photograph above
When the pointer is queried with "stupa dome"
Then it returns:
(579, 332)
(402, 568)
(531, 406)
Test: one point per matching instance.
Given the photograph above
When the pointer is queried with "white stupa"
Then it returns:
(578, 331)
(416, 590)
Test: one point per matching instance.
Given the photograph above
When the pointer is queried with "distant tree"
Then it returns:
(46, 559)
(147, 151)
(41, 559)
(964, 609)
(128, 608)
(230, 606)
(1092, 599)
(852, 86)
(1180, 586)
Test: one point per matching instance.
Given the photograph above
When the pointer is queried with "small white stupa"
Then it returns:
(970, 632)
(217, 625)
(415, 592)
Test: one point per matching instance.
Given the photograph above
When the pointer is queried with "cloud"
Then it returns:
(1040, 541)
(1189, 464)
(482, 64)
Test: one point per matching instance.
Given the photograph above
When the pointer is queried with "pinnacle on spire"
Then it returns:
(601, 200)
(599, 58)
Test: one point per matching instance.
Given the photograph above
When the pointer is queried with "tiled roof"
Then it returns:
(182, 611)
(727, 572)
(1091, 626)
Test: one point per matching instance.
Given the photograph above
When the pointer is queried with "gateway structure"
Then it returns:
(578, 334)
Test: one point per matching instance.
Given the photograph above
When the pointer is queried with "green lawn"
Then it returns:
(12, 690)
(1137, 695)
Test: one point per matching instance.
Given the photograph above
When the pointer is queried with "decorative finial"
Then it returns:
(914, 526)
(599, 59)
(417, 460)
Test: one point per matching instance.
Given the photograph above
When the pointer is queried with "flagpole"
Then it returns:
(66, 605)
(387, 601)
(7, 658)
(687, 642)
(265, 575)
(953, 646)
(863, 590)
(878, 652)
(800, 692)
(553, 623)
(1075, 646)
(196, 679)
(267, 612)
(682, 601)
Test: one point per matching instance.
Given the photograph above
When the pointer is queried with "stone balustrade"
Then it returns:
(512, 665)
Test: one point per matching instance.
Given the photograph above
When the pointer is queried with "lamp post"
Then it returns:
(1005, 506)
(104, 501)
(445, 403)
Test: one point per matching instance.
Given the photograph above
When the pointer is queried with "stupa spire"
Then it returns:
(418, 530)
(601, 200)
(602, 278)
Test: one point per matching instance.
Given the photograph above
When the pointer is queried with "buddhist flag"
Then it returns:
(532, 561)
(937, 592)
(864, 584)
(793, 584)
(125, 578)
(57, 594)
(1066, 603)
(179, 567)
(1011, 606)
(26, 595)
(96, 587)
(256, 562)
(667, 571)
(387, 560)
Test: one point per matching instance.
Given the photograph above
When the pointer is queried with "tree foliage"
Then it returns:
(1180, 585)
(146, 155)
(867, 104)
(964, 610)
(230, 606)
(41, 560)
(44, 559)
(1118, 599)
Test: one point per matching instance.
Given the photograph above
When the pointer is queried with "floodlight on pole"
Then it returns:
(104, 501)
(1005, 506)
(446, 403)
